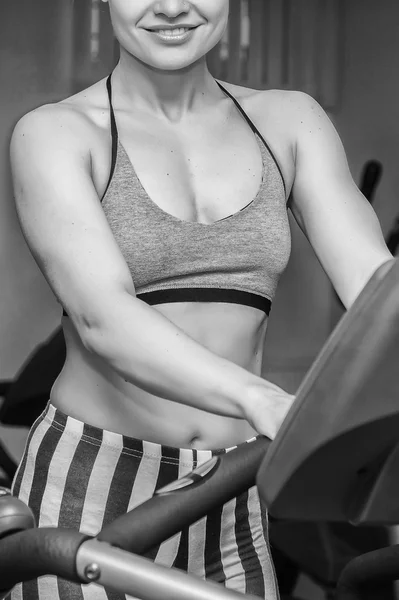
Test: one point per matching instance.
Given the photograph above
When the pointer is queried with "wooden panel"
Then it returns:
(294, 10)
(276, 33)
(87, 68)
(81, 42)
(308, 32)
(109, 46)
(55, 52)
(331, 52)
(257, 46)
(234, 67)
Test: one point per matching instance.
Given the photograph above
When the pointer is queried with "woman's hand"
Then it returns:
(266, 407)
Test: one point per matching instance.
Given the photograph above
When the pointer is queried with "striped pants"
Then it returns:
(78, 476)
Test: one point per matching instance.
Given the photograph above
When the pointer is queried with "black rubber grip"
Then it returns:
(161, 517)
(36, 552)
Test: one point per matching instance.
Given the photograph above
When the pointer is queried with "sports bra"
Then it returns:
(238, 259)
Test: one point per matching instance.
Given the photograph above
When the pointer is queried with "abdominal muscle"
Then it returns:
(88, 389)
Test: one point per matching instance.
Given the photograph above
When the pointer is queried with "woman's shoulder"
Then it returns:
(81, 116)
(285, 105)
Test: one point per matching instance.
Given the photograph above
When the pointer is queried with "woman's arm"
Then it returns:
(68, 234)
(338, 221)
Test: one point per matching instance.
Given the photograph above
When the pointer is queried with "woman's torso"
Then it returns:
(203, 170)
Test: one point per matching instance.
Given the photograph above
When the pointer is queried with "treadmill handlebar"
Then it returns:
(179, 505)
(30, 554)
(81, 559)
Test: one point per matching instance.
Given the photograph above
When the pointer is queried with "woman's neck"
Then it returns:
(169, 94)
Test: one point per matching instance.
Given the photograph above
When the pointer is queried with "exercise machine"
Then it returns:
(335, 458)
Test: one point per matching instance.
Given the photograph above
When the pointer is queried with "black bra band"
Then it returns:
(206, 295)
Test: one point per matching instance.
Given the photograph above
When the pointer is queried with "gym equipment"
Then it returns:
(370, 178)
(7, 468)
(335, 458)
(354, 382)
(14, 515)
(393, 238)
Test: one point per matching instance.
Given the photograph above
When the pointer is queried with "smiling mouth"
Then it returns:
(176, 31)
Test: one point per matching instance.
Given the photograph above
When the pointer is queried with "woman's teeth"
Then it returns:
(172, 32)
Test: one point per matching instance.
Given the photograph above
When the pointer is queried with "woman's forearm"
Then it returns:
(149, 351)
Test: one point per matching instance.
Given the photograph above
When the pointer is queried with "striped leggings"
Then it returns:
(78, 476)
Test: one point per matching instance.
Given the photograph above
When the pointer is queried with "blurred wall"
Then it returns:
(368, 121)
(44, 49)
(35, 67)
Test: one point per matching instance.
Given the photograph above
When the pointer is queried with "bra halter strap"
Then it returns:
(114, 133)
(255, 130)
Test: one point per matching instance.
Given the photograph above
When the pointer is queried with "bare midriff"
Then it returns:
(88, 389)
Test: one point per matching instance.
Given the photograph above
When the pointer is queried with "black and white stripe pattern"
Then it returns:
(78, 476)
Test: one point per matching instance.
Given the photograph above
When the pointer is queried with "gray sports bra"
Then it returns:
(238, 259)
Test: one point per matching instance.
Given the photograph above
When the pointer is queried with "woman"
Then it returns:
(155, 203)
